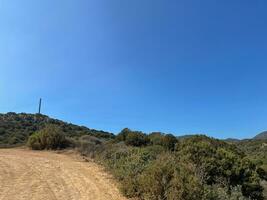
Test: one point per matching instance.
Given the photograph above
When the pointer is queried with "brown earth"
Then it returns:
(36, 175)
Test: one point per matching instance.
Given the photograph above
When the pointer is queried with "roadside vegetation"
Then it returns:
(160, 166)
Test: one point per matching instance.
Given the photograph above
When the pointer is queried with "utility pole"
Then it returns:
(40, 104)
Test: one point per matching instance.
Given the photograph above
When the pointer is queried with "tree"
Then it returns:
(169, 141)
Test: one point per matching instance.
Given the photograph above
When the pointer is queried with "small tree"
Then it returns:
(132, 138)
(137, 139)
(123, 134)
(169, 141)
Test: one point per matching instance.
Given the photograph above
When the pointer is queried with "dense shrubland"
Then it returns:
(158, 166)
(256, 150)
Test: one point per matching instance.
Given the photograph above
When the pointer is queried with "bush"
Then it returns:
(137, 139)
(166, 179)
(132, 138)
(122, 135)
(216, 192)
(169, 141)
(90, 146)
(156, 138)
(34, 142)
(262, 173)
(50, 137)
(220, 163)
(127, 163)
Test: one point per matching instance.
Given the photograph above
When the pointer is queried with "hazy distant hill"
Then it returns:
(16, 128)
(261, 136)
(232, 140)
(182, 137)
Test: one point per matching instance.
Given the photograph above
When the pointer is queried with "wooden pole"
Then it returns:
(40, 104)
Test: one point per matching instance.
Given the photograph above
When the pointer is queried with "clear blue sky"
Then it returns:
(185, 66)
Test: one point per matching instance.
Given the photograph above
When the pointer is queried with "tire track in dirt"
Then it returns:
(35, 175)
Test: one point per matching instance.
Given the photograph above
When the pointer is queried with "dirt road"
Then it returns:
(34, 175)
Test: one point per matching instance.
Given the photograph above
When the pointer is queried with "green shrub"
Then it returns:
(34, 142)
(132, 138)
(220, 163)
(216, 192)
(90, 146)
(127, 163)
(165, 178)
(156, 138)
(262, 173)
(122, 135)
(169, 141)
(137, 139)
(50, 137)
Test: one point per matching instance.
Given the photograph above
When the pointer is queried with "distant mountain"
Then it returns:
(232, 140)
(261, 136)
(16, 128)
(181, 137)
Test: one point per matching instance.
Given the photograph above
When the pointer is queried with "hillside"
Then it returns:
(261, 136)
(16, 128)
(256, 150)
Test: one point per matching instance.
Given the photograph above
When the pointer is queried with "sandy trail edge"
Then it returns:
(35, 175)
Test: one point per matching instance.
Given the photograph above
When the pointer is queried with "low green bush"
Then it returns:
(89, 146)
(219, 163)
(133, 138)
(168, 141)
(165, 178)
(50, 137)
(217, 192)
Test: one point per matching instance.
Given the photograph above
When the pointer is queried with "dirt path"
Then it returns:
(33, 175)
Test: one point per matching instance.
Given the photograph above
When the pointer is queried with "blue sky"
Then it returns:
(183, 67)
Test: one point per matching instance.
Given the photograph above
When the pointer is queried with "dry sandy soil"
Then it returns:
(34, 175)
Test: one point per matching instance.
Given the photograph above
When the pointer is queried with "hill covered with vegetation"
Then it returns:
(261, 136)
(16, 128)
(154, 166)
(256, 151)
